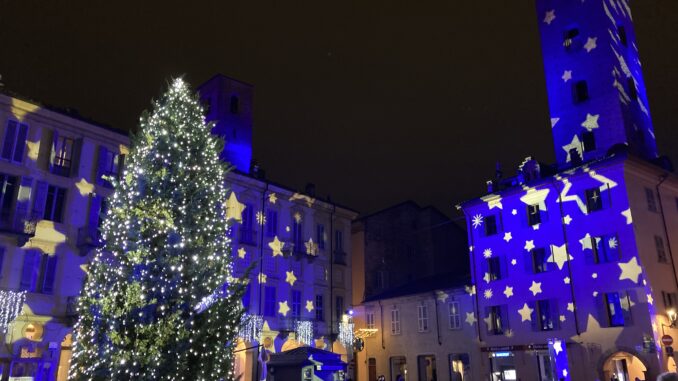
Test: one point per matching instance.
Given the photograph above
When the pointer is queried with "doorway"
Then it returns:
(625, 366)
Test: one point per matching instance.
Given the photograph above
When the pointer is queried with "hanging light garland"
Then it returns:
(10, 307)
(304, 331)
(346, 334)
(250, 327)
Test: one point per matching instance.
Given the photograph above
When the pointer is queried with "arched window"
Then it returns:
(234, 104)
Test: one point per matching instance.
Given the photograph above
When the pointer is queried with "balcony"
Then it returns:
(88, 238)
(339, 257)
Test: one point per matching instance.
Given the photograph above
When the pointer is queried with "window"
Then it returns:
(540, 263)
(62, 155)
(319, 314)
(339, 304)
(494, 268)
(320, 236)
(247, 233)
(670, 299)
(395, 321)
(546, 314)
(659, 245)
(422, 317)
(7, 196)
(454, 314)
(398, 368)
(589, 141)
(296, 303)
(234, 105)
(570, 38)
(621, 33)
(618, 308)
(580, 91)
(495, 321)
(593, 200)
(269, 301)
(110, 166)
(631, 84)
(339, 240)
(54, 204)
(605, 248)
(651, 202)
(426, 367)
(38, 273)
(533, 215)
(460, 367)
(15, 141)
(490, 225)
(297, 236)
(271, 223)
(369, 320)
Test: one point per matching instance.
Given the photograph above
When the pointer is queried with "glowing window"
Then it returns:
(369, 320)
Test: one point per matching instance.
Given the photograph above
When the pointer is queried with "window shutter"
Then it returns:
(601, 307)
(50, 272)
(94, 210)
(52, 152)
(75, 157)
(528, 262)
(20, 145)
(536, 316)
(101, 166)
(590, 254)
(505, 318)
(555, 314)
(22, 203)
(626, 307)
(29, 270)
(40, 200)
(8, 144)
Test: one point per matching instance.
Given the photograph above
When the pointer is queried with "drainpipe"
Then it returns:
(435, 303)
(569, 267)
(666, 229)
(473, 271)
(261, 269)
(381, 322)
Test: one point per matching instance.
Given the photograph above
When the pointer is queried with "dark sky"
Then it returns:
(375, 101)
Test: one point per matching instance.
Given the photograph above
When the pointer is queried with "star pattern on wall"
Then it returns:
(574, 144)
(591, 122)
(650, 300)
(441, 296)
(507, 236)
(493, 201)
(567, 219)
(261, 218)
(567, 75)
(309, 305)
(487, 253)
(557, 346)
(554, 121)
(559, 255)
(488, 294)
(630, 270)
(276, 246)
(471, 290)
(242, 252)
(272, 198)
(529, 245)
(311, 247)
(525, 313)
(566, 280)
(297, 217)
(470, 318)
(514, 212)
(290, 277)
(508, 291)
(283, 308)
(570, 307)
(535, 288)
(550, 16)
(262, 278)
(477, 221)
(591, 44)
(627, 214)
(514, 262)
(234, 208)
(487, 278)
(586, 242)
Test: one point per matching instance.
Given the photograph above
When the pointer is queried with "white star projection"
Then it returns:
(590, 44)
(550, 16)
(627, 215)
(650, 300)
(272, 198)
(535, 196)
(471, 290)
(591, 122)
(242, 252)
(630, 270)
(559, 255)
(84, 188)
(612, 243)
(234, 208)
(562, 318)
(514, 262)
(493, 201)
(567, 75)
(570, 307)
(297, 217)
(529, 245)
(33, 150)
(514, 212)
(488, 320)
(525, 313)
(298, 196)
(574, 144)
(261, 218)
(535, 288)
(487, 278)
(586, 242)
(311, 247)
(566, 280)
(290, 277)
(508, 236)
(554, 121)
(262, 278)
(558, 346)
(276, 246)
(488, 293)
(567, 219)
(565, 197)
(441, 296)
(487, 253)
(594, 275)
(283, 308)
(309, 305)
(470, 318)
(508, 291)
(477, 221)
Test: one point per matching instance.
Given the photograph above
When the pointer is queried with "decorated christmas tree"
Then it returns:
(159, 302)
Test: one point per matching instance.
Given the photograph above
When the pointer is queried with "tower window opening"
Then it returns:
(235, 104)
(631, 84)
(589, 141)
(621, 33)
(580, 91)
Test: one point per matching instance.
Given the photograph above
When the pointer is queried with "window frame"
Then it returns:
(395, 321)
(454, 315)
(422, 317)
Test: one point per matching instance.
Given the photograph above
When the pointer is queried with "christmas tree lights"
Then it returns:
(153, 307)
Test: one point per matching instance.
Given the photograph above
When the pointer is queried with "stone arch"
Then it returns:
(636, 362)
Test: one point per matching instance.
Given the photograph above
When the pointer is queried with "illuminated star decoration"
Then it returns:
(529, 245)
(262, 278)
(276, 245)
(514, 212)
(525, 313)
(574, 144)
(535, 288)
(508, 333)
(627, 214)
(487, 278)
(508, 236)
(84, 187)
(554, 121)
(85, 268)
(441, 296)
(557, 346)
(311, 247)
(272, 198)
(591, 122)
(630, 270)
(309, 305)
(590, 44)
(283, 308)
(242, 253)
(570, 307)
(650, 300)
(487, 253)
(477, 221)
(559, 255)
(562, 318)
(471, 290)
(586, 242)
(612, 243)
(566, 280)
(290, 278)
(508, 291)
(594, 275)
(514, 262)
(297, 217)
(234, 208)
(550, 16)
(567, 219)
(261, 218)
(493, 201)
(470, 318)
(488, 293)
(567, 75)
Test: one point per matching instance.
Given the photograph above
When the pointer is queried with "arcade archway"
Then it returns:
(625, 366)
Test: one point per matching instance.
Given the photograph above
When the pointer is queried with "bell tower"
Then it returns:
(595, 86)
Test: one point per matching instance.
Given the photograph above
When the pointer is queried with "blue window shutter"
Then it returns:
(75, 157)
(29, 270)
(50, 272)
(94, 210)
(8, 144)
(20, 145)
(40, 200)
(101, 166)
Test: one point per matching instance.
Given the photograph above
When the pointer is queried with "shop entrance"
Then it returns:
(503, 366)
(625, 366)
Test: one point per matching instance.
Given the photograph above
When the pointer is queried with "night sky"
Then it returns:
(374, 101)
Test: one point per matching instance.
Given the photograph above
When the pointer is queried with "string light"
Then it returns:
(346, 333)
(250, 327)
(10, 307)
(304, 331)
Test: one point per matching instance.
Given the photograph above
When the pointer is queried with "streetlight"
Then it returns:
(673, 317)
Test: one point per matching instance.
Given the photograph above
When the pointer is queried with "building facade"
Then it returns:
(572, 263)
(51, 168)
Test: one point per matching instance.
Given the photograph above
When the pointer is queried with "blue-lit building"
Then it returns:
(572, 264)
